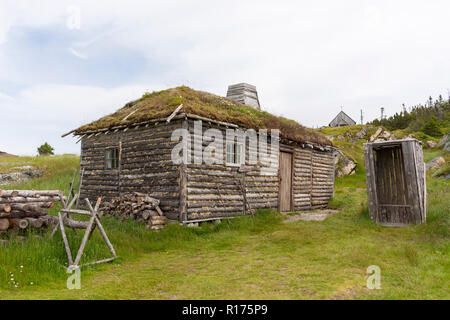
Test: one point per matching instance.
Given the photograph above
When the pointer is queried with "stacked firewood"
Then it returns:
(137, 206)
(22, 209)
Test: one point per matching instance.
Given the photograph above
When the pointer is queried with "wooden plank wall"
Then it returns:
(213, 190)
(396, 187)
(313, 178)
(98, 182)
(313, 184)
(303, 174)
(323, 178)
(145, 166)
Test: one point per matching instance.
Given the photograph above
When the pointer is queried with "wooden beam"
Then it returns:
(174, 113)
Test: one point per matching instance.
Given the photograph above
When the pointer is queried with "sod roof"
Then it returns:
(162, 104)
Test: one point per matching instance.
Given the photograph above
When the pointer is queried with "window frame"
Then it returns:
(236, 152)
(112, 158)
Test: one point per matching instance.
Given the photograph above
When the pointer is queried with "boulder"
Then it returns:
(435, 163)
(444, 141)
(431, 144)
(447, 146)
(21, 174)
(343, 164)
(381, 135)
(376, 134)
(362, 133)
(386, 135)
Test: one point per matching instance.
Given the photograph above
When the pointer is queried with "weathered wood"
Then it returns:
(18, 223)
(4, 224)
(21, 214)
(86, 235)
(174, 113)
(5, 208)
(65, 241)
(146, 165)
(395, 174)
(29, 193)
(9, 200)
(34, 223)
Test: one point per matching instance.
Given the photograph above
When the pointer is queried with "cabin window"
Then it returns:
(234, 153)
(112, 158)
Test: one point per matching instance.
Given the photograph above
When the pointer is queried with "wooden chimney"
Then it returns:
(244, 93)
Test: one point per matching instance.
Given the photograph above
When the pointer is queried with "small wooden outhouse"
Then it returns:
(396, 182)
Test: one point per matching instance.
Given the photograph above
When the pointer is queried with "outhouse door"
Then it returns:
(285, 182)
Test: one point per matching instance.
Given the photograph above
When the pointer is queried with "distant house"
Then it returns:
(342, 120)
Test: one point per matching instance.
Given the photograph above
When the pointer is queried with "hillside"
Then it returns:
(429, 121)
(5, 154)
(264, 258)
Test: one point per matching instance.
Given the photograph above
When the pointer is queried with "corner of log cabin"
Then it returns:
(145, 165)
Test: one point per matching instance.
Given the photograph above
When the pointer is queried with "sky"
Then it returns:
(67, 63)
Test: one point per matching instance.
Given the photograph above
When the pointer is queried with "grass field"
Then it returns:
(261, 259)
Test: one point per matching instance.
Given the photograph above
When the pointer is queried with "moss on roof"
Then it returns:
(161, 104)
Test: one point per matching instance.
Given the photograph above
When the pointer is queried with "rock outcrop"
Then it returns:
(435, 163)
(431, 144)
(343, 164)
(381, 135)
(20, 174)
(445, 142)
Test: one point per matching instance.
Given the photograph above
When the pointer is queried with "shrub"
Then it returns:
(432, 128)
(45, 150)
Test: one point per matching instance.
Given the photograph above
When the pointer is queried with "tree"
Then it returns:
(45, 150)
(432, 128)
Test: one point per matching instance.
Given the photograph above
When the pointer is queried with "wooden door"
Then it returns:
(285, 181)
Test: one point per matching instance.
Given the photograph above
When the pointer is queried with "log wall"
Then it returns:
(198, 191)
(213, 190)
(313, 178)
(145, 165)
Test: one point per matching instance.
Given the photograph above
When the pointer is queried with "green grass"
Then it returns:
(161, 104)
(260, 259)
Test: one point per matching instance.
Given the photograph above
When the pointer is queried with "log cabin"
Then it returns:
(133, 149)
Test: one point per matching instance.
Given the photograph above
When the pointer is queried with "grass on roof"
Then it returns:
(161, 104)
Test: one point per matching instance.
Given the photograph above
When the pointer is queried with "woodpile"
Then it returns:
(137, 206)
(25, 209)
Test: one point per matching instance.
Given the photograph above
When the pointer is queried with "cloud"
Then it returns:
(44, 112)
(307, 58)
(77, 54)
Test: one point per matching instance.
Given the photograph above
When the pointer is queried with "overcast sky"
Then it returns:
(66, 63)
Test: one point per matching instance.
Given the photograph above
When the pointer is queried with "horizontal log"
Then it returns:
(4, 224)
(18, 223)
(5, 208)
(26, 207)
(21, 214)
(30, 193)
(10, 200)
(35, 223)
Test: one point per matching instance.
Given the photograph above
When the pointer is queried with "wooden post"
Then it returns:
(71, 186)
(66, 243)
(79, 187)
(86, 235)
